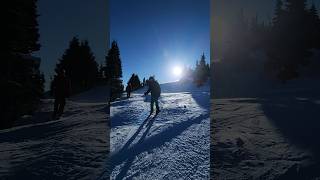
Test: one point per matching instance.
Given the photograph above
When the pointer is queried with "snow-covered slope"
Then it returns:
(271, 137)
(172, 145)
(73, 147)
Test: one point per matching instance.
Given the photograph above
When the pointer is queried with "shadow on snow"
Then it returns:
(127, 154)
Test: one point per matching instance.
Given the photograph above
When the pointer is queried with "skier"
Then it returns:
(60, 89)
(155, 90)
(128, 90)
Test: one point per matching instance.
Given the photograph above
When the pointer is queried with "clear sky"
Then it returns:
(154, 36)
(60, 20)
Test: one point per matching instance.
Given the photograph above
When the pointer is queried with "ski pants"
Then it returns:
(59, 104)
(154, 100)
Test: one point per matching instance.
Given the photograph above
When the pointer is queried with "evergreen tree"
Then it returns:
(113, 62)
(278, 13)
(314, 14)
(314, 28)
(79, 63)
(19, 70)
(114, 71)
(134, 81)
(297, 6)
(288, 49)
(90, 66)
(144, 81)
(68, 62)
(202, 71)
(69, 57)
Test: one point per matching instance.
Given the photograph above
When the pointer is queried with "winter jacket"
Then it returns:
(61, 87)
(154, 88)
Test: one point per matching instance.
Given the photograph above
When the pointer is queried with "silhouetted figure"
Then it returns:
(61, 90)
(155, 90)
(128, 90)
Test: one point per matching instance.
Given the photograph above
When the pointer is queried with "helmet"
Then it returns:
(151, 78)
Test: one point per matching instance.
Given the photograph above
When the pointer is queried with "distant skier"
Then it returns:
(155, 90)
(128, 90)
(61, 89)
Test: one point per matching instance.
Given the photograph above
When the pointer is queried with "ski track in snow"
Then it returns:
(73, 147)
(172, 145)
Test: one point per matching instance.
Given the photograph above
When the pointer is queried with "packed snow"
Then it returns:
(271, 136)
(175, 144)
(74, 147)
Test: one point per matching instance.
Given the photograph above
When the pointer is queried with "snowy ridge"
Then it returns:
(172, 145)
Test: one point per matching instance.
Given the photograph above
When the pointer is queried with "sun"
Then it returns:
(177, 70)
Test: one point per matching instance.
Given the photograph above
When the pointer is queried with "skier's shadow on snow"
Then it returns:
(133, 137)
(128, 155)
(125, 149)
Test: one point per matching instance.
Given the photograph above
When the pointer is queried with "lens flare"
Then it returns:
(177, 71)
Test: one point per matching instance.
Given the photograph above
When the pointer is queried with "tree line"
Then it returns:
(199, 75)
(288, 40)
(22, 81)
(295, 31)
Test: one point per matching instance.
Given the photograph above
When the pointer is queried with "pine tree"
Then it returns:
(314, 28)
(114, 71)
(79, 63)
(89, 67)
(113, 62)
(19, 69)
(278, 13)
(314, 13)
(134, 81)
(201, 71)
(288, 49)
(297, 6)
(68, 62)
(69, 56)
(144, 81)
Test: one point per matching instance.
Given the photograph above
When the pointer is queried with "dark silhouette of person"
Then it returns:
(61, 90)
(155, 90)
(128, 90)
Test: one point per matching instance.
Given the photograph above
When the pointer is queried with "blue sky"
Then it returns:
(60, 20)
(154, 36)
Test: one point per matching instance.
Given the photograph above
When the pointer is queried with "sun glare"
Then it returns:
(177, 71)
